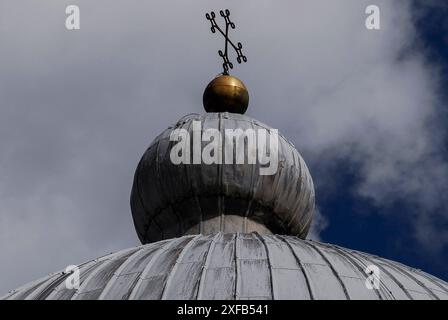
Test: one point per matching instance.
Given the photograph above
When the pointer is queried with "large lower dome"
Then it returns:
(237, 266)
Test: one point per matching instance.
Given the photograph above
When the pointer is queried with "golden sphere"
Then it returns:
(226, 93)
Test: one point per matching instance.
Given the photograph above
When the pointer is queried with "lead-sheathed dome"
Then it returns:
(237, 266)
(169, 200)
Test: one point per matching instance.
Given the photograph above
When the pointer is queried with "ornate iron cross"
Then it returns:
(240, 57)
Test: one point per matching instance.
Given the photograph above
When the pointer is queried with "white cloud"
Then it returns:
(320, 223)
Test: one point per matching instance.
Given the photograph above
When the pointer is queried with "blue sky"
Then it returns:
(354, 222)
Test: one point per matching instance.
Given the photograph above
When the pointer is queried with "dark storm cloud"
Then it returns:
(78, 108)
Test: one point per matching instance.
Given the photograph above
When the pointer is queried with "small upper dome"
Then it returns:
(226, 93)
(172, 199)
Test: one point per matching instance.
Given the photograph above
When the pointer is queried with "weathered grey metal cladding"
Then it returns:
(169, 200)
(237, 266)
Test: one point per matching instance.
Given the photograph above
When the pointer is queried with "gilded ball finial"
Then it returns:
(226, 93)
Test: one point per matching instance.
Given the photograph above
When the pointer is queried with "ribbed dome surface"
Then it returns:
(170, 200)
(237, 266)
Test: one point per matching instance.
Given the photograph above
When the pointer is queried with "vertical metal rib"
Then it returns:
(34, 291)
(355, 257)
(235, 252)
(95, 269)
(423, 274)
(433, 281)
(160, 184)
(50, 287)
(25, 290)
(303, 206)
(162, 191)
(353, 261)
(300, 169)
(403, 271)
(206, 265)
(188, 176)
(201, 214)
(303, 198)
(139, 198)
(399, 284)
(176, 265)
(253, 184)
(84, 273)
(102, 266)
(278, 175)
(271, 278)
(113, 279)
(148, 267)
(83, 268)
(299, 263)
(331, 267)
(290, 151)
(221, 187)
